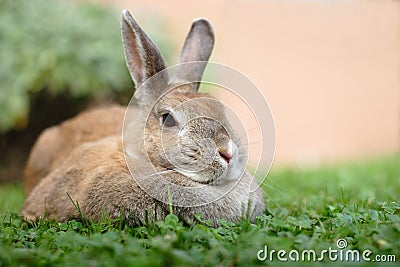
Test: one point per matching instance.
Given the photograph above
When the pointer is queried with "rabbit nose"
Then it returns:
(225, 153)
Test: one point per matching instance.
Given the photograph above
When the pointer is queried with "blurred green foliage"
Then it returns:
(60, 47)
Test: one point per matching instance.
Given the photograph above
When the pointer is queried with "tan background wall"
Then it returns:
(330, 69)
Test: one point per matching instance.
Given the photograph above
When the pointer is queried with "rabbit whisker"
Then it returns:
(168, 140)
(274, 183)
(248, 132)
(251, 143)
(270, 198)
(275, 189)
(160, 172)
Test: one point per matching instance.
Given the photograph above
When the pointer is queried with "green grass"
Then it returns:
(307, 209)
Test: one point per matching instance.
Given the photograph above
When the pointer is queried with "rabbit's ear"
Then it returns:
(142, 56)
(198, 46)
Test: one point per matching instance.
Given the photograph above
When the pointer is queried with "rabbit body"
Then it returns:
(103, 186)
(56, 143)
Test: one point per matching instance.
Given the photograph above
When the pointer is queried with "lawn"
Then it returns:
(308, 210)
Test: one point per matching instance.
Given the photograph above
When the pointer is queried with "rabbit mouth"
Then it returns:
(198, 177)
(216, 172)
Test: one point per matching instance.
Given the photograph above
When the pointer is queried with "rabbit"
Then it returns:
(57, 142)
(110, 176)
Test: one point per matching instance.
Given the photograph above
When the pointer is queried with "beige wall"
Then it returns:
(329, 69)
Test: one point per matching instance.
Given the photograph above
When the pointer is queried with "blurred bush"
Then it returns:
(58, 46)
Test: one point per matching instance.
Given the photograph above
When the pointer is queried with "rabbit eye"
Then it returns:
(168, 120)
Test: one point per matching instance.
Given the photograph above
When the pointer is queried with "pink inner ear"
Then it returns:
(132, 53)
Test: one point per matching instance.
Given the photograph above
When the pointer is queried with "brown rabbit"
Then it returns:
(180, 151)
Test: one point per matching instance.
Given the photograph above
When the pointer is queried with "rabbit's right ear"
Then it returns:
(197, 48)
(142, 56)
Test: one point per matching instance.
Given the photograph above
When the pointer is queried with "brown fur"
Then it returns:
(56, 143)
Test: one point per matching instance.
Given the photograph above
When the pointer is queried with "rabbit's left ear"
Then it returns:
(198, 46)
(142, 57)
